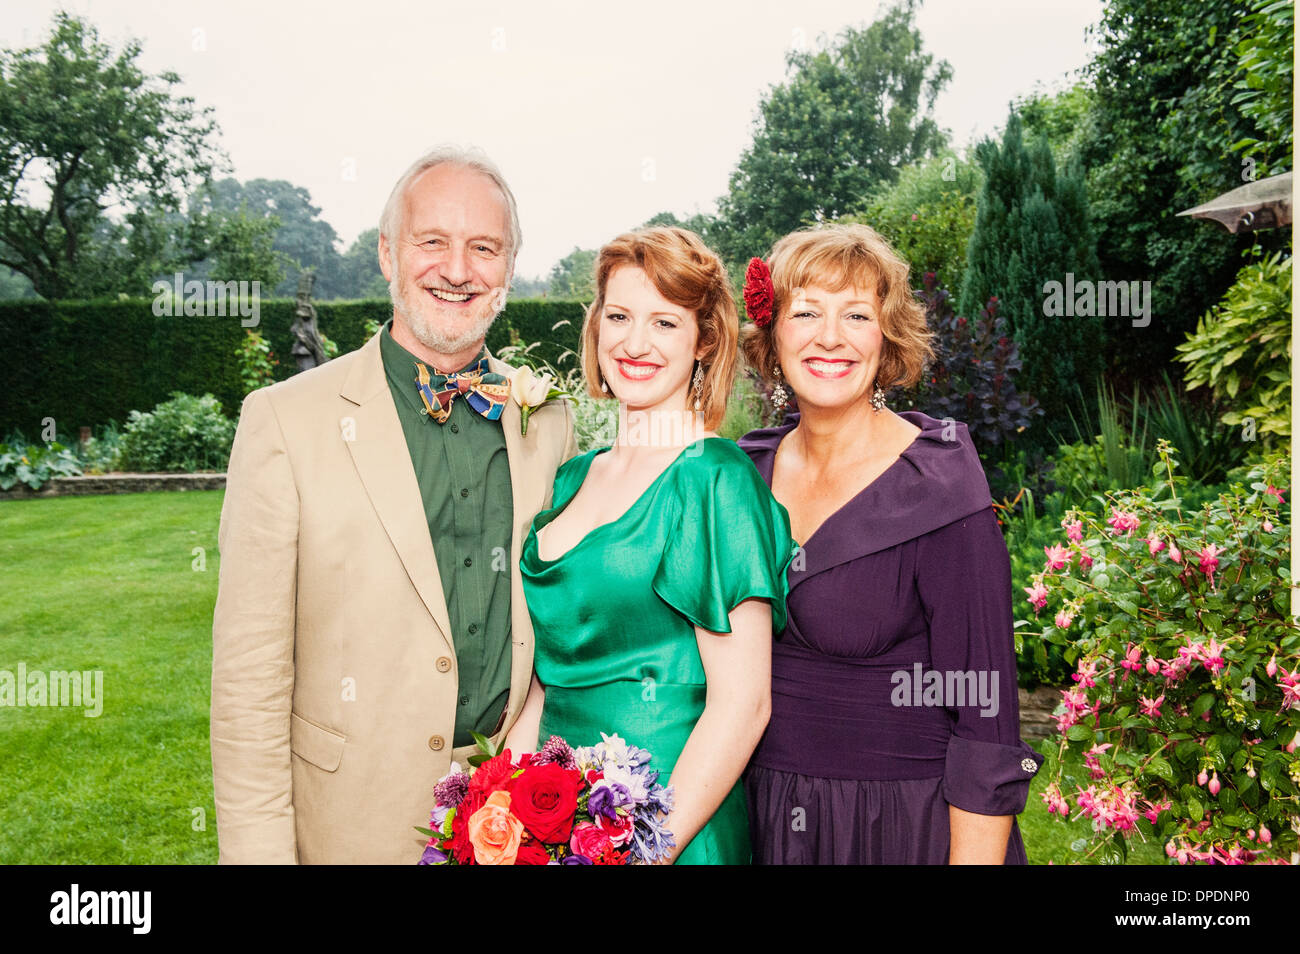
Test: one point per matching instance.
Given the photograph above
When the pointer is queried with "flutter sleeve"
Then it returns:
(964, 582)
(731, 542)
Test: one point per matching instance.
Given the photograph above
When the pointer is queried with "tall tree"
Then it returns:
(359, 274)
(1159, 140)
(928, 216)
(243, 249)
(1031, 228)
(303, 238)
(85, 136)
(843, 123)
(574, 276)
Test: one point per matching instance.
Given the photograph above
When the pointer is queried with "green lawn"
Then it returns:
(111, 584)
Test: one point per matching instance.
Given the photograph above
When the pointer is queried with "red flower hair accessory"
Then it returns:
(759, 293)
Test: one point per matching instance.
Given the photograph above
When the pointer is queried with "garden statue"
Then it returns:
(308, 348)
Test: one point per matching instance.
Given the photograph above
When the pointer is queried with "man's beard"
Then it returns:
(426, 328)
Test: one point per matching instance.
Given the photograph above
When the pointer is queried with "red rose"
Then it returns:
(493, 775)
(759, 293)
(545, 799)
(532, 854)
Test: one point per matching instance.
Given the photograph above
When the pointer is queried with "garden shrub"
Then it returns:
(184, 434)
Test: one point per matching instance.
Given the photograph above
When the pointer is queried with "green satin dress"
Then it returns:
(614, 618)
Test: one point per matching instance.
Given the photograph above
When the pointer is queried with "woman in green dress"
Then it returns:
(656, 580)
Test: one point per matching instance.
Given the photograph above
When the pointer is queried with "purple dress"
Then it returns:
(894, 683)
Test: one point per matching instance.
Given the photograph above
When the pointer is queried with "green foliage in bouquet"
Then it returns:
(1187, 697)
(183, 435)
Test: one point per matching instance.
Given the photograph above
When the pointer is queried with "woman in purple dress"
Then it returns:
(894, 735)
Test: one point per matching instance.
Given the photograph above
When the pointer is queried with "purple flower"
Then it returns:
(451, 791)
(606, 797)
(432, 856)
(576, 860)
(558, 751)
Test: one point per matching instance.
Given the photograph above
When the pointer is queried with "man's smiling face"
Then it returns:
(449, 265)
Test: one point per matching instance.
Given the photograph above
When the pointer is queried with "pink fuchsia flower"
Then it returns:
(1290, 685)
(1153, 665)
(1209, 561)
(1073, 531)
(1087, 674)
(1085, 561)
(1214, 784)
(1212, 656)
(1037, 595)
(1123, 521)
(1271, 668)
(1090, 760)
(1063, 619)
(1154, 809)
(1076, 700)
(1155, 544)
(1290, 746)
(1267, 526)
(1056, 803)
(1151, 707)
(1265, 836)
(1175, 554)
(1132, 658)
(1270, 489)
(1203, 777)
(1175, 669)
(1058, 557)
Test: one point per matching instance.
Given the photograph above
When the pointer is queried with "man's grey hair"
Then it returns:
(469, 157)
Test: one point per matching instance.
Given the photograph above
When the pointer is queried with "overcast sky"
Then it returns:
(600, 115)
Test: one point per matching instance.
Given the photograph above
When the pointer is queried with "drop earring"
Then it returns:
(697, 384)
(878, 399)
(780, 397)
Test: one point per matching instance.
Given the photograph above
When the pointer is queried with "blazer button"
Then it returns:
(436, 743)
(443, 664)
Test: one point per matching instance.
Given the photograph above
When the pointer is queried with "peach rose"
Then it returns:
(494, 832)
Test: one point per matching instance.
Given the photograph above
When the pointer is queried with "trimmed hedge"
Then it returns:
(85, 363)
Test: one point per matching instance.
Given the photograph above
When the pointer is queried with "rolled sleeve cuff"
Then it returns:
(988, 778)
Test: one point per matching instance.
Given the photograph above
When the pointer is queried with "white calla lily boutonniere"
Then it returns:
(530, 391)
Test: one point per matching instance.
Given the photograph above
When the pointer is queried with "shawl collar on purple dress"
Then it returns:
(933, 482)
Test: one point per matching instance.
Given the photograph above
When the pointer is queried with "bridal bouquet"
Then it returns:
(596, 805)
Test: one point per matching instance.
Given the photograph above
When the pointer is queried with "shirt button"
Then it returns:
(469, 561)
(443, 664)
(464, 492)
(455, 428)
(464, 700)
(473, 628)
(436, 743)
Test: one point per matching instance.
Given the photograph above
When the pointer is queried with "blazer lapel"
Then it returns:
(379, 451)
(527, 495)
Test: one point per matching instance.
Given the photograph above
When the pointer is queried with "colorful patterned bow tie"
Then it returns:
(485, 391)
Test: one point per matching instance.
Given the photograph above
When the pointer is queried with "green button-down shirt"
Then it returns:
(464, 477)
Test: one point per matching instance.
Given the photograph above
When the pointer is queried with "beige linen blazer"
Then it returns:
(334, 683)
